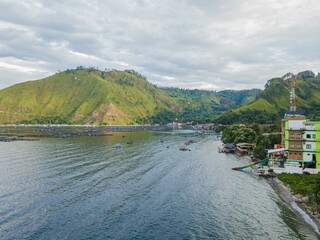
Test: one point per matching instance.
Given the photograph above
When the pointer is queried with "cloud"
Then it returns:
(190, 44)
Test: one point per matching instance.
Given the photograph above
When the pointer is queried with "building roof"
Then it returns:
(276, 150)
(245, 144)
(229, 145)
(294, 113)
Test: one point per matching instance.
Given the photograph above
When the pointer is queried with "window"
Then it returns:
(283, 124)
(298, 135)
(291, 135)
(308, 135)
(298, 145)
(308, 146)
(291, 145)
(313, 136)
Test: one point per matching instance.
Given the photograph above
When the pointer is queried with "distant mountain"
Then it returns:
(270, 104)
(91, 96)
(241, 97)
(203, 105)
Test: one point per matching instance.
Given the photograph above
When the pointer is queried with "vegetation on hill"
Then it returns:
(270, 105)
(86, 96)
(304, 184)
(91, 96)
(205, 106)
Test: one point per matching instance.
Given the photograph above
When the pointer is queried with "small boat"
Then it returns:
(189, 142)
(161, 140)
(184, 148)
(118, 145)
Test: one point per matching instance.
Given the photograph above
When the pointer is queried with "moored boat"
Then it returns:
(118, 145)
(184, 148)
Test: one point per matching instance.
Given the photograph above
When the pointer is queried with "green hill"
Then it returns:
(203, 105)
(271, 103)
(84, 96)
(91, 96)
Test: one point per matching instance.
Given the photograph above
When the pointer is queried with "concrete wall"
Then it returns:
(296, 124)
(309, 126)
(307, 156)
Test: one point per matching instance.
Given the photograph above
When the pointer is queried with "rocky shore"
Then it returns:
(298, 204)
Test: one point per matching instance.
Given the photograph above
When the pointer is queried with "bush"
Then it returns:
(237, 134)
(260, 152)
(303, 184)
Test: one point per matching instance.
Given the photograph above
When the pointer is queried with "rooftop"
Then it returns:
(294, 113)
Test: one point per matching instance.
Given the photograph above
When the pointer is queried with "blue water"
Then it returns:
(82, 188)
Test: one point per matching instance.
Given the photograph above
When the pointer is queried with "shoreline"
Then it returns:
(10, 133)
(295, 202)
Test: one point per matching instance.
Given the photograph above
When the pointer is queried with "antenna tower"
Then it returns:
(292, 96)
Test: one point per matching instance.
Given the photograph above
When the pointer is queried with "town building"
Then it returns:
(300, 137)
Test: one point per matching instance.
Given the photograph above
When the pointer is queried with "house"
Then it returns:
(245, 148)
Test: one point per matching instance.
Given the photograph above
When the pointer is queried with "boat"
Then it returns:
(189, 142)
(118, 145)
(184, 148)
(227, 148)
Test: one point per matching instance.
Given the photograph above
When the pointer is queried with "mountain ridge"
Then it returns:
(270, 105)
(91, 96)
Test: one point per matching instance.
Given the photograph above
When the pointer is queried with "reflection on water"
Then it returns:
(82, 188)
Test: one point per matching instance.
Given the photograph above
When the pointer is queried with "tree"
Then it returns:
(274, 139)
(236, 134)
(228, 134)
(245, 135)
(259, 152)
(263, 141)
(256, 127)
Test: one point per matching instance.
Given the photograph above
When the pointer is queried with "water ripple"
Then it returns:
(82, 188)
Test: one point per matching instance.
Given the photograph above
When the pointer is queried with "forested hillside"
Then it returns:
(91, 96)
(271, 103)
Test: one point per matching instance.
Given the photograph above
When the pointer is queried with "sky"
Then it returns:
(204, 44)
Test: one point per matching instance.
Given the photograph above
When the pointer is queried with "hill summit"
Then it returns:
(91, 96)
(270, 105)
(84, 96)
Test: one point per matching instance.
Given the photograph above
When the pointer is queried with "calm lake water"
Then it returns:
(82, 188)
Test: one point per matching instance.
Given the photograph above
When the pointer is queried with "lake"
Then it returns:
(83, 188)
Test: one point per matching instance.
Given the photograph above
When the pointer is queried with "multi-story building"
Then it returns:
(301, 139)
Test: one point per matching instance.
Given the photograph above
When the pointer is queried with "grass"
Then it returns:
(301, 183)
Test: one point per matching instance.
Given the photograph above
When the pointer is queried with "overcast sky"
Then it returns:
(213, 44)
